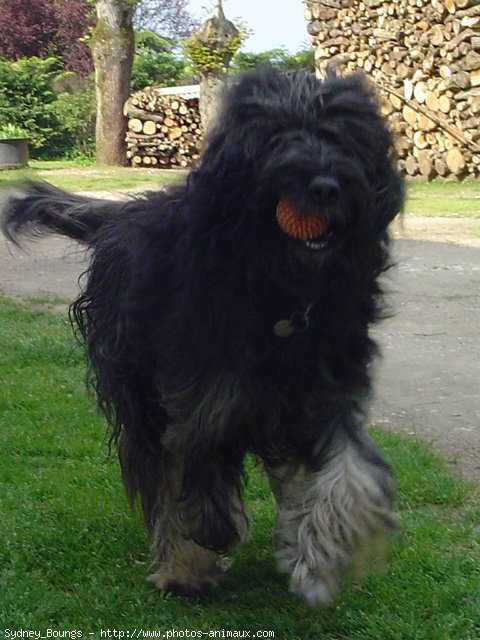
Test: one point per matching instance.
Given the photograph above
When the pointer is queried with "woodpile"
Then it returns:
(424, 55)
(164, 127)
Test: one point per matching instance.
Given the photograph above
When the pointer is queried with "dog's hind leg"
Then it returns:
(332, 519)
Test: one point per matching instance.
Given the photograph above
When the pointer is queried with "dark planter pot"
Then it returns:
(13, 153)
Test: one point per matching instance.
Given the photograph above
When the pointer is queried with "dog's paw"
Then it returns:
(313, 589)
(187, 582)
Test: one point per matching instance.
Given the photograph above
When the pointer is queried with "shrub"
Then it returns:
(58, 124)
(76, 116)
(10, 132)
(26, 98)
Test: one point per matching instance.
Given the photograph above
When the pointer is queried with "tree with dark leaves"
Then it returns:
(45, 27)
(75, 18)
(27, 28)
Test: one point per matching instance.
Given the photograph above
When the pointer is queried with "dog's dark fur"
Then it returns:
(182, 294)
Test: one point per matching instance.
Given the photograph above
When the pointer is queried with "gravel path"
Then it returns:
(428, 381)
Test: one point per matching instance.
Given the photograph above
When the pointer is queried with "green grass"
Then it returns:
(76, 176)
(73, 557)
(444, 199)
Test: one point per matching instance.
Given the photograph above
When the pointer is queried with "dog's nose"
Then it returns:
(325, 190)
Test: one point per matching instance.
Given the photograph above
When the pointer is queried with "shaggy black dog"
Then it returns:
(231, 315)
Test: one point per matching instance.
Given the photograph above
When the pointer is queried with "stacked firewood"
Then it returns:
(424, 55)
(164, 127)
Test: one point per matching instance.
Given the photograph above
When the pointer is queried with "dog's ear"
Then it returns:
(353, 103)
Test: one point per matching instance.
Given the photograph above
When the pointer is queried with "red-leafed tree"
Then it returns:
(27, 28)
(74, 18)
(47, 27)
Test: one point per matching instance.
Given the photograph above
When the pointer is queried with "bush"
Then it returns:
(58, 124)
(12, 132)
(76, 116)
(26, 98)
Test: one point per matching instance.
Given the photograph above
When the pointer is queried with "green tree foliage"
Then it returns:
(26, 97)
(75, 112)
(58, 122)
(155, 62)
(279, 58)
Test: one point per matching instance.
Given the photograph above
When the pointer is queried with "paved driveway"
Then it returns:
(429, 378)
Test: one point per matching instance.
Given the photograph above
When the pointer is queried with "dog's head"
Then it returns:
(308, 165)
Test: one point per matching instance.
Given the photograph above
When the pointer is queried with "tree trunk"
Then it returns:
(211, 91)
(112, 49)
(215, 34)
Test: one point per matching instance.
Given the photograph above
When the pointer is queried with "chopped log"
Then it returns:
(419, 140)
(425, 165)
(455, 161)
(432, 100)
(409, 114)
(444, 104)
(175, 132)
(134, 124)
(440, 167)
(411, 166)
(424, 123)
(420, 92)
(149, 127)
(436, 35)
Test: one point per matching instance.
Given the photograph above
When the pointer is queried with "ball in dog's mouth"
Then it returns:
(311, 228)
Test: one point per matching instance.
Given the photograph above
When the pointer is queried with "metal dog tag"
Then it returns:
(283, 328)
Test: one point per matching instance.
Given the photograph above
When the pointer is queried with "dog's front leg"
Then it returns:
(199, 515)
(333, 515)
(184, 565)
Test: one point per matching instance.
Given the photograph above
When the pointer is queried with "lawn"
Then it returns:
(77, 176)
(72, 556)
(445, 199)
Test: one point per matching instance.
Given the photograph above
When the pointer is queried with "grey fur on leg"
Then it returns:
(332, 522)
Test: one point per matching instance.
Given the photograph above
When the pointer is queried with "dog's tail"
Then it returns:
(40, 208)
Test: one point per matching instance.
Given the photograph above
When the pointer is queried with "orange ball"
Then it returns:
(302, 227)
